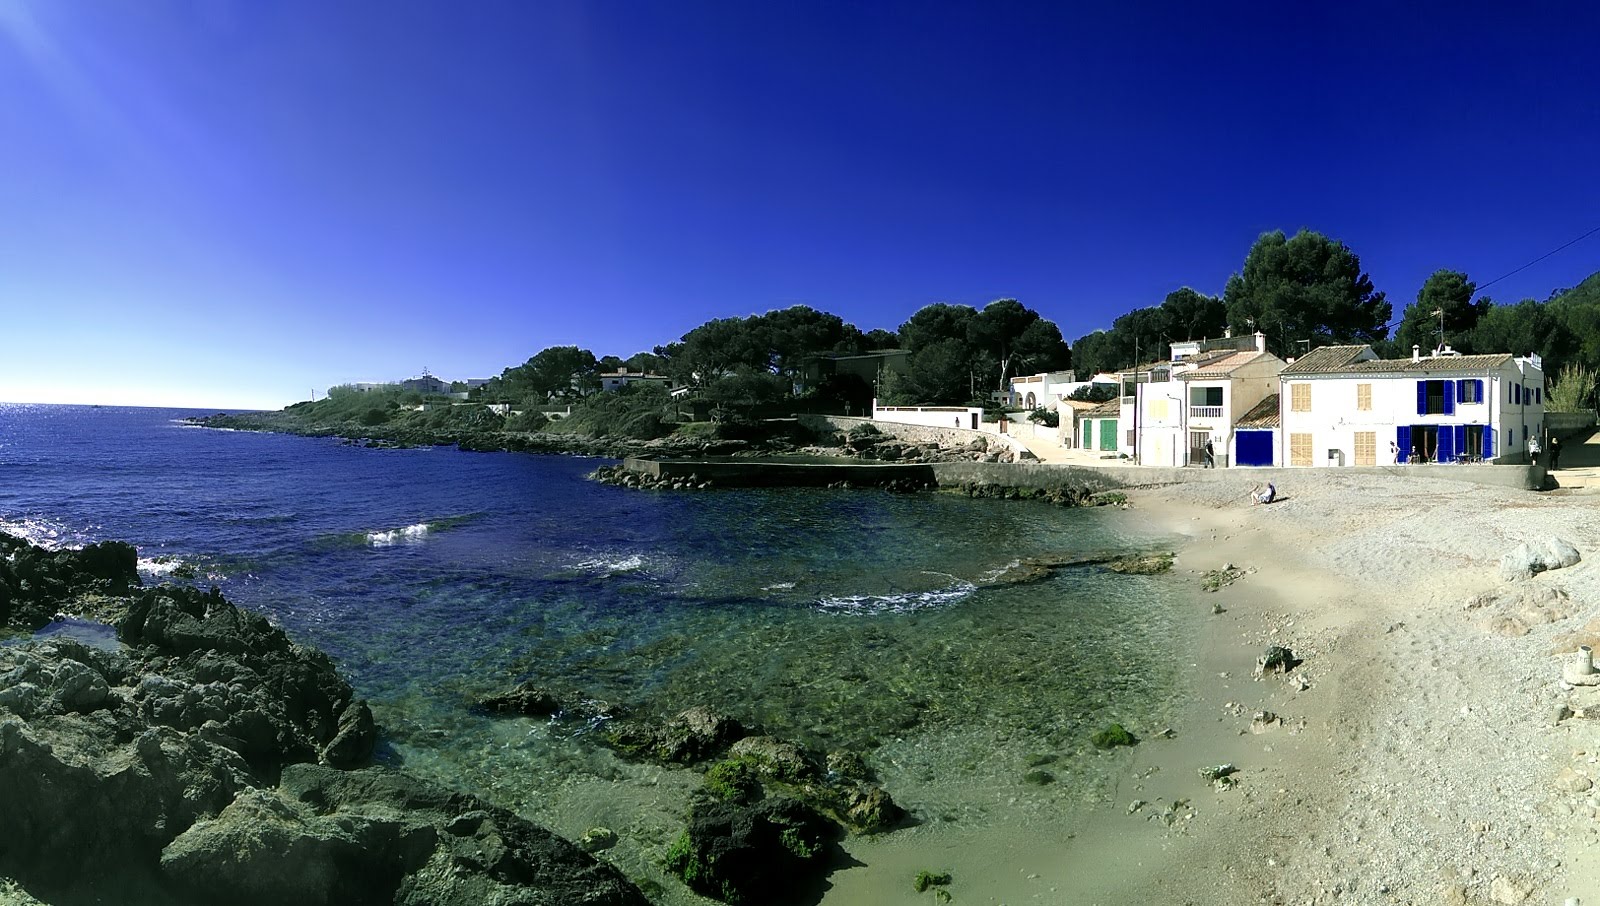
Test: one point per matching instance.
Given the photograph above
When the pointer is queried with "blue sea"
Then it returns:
(841, 619)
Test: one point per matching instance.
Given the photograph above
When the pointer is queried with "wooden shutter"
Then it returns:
(1300, 449)
(1449, 395)
(1364, 397)
(1366, 448)
(1422, 397)
(1300, 398)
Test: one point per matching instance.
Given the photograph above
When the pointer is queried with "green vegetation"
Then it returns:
(1112, 737)
(927, 879)
(1573, 390)
(733, 781)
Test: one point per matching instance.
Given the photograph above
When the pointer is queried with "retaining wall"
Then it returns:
(926, 434)
(767, 473)
(1566, 424)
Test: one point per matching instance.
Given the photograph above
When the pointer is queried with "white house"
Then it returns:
(622, 377)
(1034, 390)
(1100, 428)
(1171, 409)
(1342, 405)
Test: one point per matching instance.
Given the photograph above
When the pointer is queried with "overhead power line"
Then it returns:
(1483, 286)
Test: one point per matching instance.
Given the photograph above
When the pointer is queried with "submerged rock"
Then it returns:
(1113, 736)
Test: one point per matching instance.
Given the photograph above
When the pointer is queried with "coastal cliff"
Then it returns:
(202, 756)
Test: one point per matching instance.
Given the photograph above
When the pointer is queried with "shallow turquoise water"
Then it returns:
(842, 619)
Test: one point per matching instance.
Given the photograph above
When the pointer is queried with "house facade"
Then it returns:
(1173, 409)
(1035, 390)
(1100, 428)
(622, 377)
(1343, 405)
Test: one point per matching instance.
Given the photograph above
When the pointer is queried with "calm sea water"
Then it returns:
(840, 618)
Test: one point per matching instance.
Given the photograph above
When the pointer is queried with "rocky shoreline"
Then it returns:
(205, 757)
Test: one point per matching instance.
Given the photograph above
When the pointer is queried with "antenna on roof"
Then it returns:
(1440, 312)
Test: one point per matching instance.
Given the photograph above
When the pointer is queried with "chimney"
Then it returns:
(1261, 342)
(1416, 353)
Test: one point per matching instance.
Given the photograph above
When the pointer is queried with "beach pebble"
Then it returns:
(1571, 781)
(1509, 891)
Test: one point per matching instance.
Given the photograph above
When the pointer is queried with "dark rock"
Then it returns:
(758, 853)
(1113, 736)
(870, 810)
(378, 836)
(774, 759)
(526, 698)
(1277, 659)
(35, 583)
(696, 735)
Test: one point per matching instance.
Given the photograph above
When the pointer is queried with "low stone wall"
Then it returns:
(753, 473)
(767, 473)
(1566, 424)
(949, 437)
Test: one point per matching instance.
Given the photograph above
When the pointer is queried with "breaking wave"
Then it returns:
(896, 602)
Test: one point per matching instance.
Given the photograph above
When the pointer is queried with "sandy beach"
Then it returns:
(1415, 757)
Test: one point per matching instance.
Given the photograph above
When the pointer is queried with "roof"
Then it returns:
(1107, 409)
(1148, 366)
(1350, 360)
(1223, 366)
(1264, 414)
(1326, 359)
(1080, 405)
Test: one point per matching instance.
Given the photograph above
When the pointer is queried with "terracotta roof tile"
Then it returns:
(1264, 414)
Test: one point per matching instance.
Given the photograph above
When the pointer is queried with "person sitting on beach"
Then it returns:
(1266, 495)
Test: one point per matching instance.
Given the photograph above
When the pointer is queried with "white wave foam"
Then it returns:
(613, 564)
(901, 602)
(408, 534)
(778, 586)
(159, 566)
(44, 533)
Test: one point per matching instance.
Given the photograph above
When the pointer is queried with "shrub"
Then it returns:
(1050, 418)
(374, 416)
(527, 421)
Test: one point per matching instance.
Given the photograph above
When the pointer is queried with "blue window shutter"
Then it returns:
(1488, 443)
(1481, 397)
(1403, 441)
(1447, 443)
(1461, 439)
(1461, 392)
(1422, 397)
(1449, 397)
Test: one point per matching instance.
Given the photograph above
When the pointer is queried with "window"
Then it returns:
(1363, 398)
(1538, 396)
(1436, 397)
(1366, 448)
(1205, 396)
(1300, 449)
(1469, 391)
(1300, 401)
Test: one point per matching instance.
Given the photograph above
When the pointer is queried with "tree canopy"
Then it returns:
(1306, 289)
(1447, 291)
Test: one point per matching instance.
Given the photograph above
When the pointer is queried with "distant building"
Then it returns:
(873, 367)
(1035, 390)
(622, 377)
(427, 383)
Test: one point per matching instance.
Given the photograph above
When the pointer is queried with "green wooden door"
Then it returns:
(1108, 434)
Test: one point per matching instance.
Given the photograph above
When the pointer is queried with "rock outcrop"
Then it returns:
(211, 759)
(1532, 557)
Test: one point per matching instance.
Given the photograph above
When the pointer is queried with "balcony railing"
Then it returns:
(1205, 411)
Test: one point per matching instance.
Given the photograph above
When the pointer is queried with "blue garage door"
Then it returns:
(1253, 448)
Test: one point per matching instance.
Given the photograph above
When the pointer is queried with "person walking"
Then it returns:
(1555, 453)
(1211, 455)
(1533, 449)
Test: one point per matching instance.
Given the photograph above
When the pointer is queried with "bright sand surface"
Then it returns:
(1419, 764)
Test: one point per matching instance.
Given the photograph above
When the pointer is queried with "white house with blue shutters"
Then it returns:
(1344, 406)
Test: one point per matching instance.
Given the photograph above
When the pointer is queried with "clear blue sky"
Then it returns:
(231, 203)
